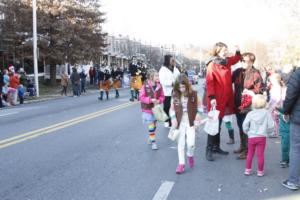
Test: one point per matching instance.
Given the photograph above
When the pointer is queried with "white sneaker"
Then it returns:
(167, 124)
(154, 146)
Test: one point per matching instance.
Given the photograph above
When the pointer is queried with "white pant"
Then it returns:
(185, 130)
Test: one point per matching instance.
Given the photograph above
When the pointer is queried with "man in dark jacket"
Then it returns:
(291, 109)
(135, 73)
(75, 80)
(247, 77)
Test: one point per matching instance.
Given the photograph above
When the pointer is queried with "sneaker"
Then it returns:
(191, 161)
(247, 172)
(284, 164)
(180, 169)
(260, 173)
(289, 185)
(154, 146)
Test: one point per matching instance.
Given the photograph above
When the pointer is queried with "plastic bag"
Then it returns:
(211, 126)
(173, 134)
(159, 113)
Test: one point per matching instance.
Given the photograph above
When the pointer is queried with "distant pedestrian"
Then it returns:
(1, 86)
(75, 80)
(257, 125)
(185, 115)
(151, 94)
(82, 76)
(91, 75)
(64, 83)
(291, 109)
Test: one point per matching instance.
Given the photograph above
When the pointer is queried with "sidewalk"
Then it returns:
(54, 92)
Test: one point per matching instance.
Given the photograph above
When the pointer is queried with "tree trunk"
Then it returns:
(53, 72)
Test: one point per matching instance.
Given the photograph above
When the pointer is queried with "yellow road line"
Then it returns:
(58, 126)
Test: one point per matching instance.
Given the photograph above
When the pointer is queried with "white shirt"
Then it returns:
(167, 79)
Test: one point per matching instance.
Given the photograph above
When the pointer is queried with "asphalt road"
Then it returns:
(104, 155)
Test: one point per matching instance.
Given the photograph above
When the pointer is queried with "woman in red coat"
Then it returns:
(219, 91)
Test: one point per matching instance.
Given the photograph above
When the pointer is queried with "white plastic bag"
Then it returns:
(159, 113)
(228, 118)
(211, 126)
(173, 134)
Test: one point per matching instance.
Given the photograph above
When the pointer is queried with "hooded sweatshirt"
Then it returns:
(258, 123)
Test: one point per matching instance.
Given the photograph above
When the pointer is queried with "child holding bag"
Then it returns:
(150, 95)
(257, 125)
(185, 116)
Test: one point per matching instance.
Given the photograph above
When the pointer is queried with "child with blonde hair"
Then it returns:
(257, 125)
(150, 95)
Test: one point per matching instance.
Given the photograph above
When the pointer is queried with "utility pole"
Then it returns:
(36, 78)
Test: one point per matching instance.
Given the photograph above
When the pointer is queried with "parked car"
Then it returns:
(193, 77)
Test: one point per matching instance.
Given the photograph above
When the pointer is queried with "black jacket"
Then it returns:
(117, 74)
(291, 104)
(133, 69)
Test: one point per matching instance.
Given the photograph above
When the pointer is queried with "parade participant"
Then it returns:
(143, 71)
(219, 92)
(257, 125)
(104, 76)
(117, 76)
(291, 109)
(276, 99)
(167, 76)
(185, 115)
(247, 82)
(136, 79)
(151, 94)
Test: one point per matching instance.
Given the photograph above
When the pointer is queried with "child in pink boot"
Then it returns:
(185, 115)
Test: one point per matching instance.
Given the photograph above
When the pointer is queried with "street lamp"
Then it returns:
(35, 63)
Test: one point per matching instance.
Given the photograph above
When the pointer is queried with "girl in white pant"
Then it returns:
(185, 115)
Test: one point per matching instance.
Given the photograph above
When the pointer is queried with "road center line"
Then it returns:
(164, 191)
(58, 126)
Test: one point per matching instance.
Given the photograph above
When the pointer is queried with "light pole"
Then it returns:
(36, 78)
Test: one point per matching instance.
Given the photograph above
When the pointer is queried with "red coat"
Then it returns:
(219, 85)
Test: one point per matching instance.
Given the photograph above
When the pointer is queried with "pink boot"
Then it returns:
(191, 161)
(180, 169)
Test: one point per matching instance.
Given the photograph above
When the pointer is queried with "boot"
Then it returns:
(209, 153)
(218, 150)
(101, 96)
(107, 95)
(243, 155)
(132, 95)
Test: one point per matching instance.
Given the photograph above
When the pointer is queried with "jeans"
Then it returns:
(294, 153)
(257, 144)
(240, 118)
(285, 146)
